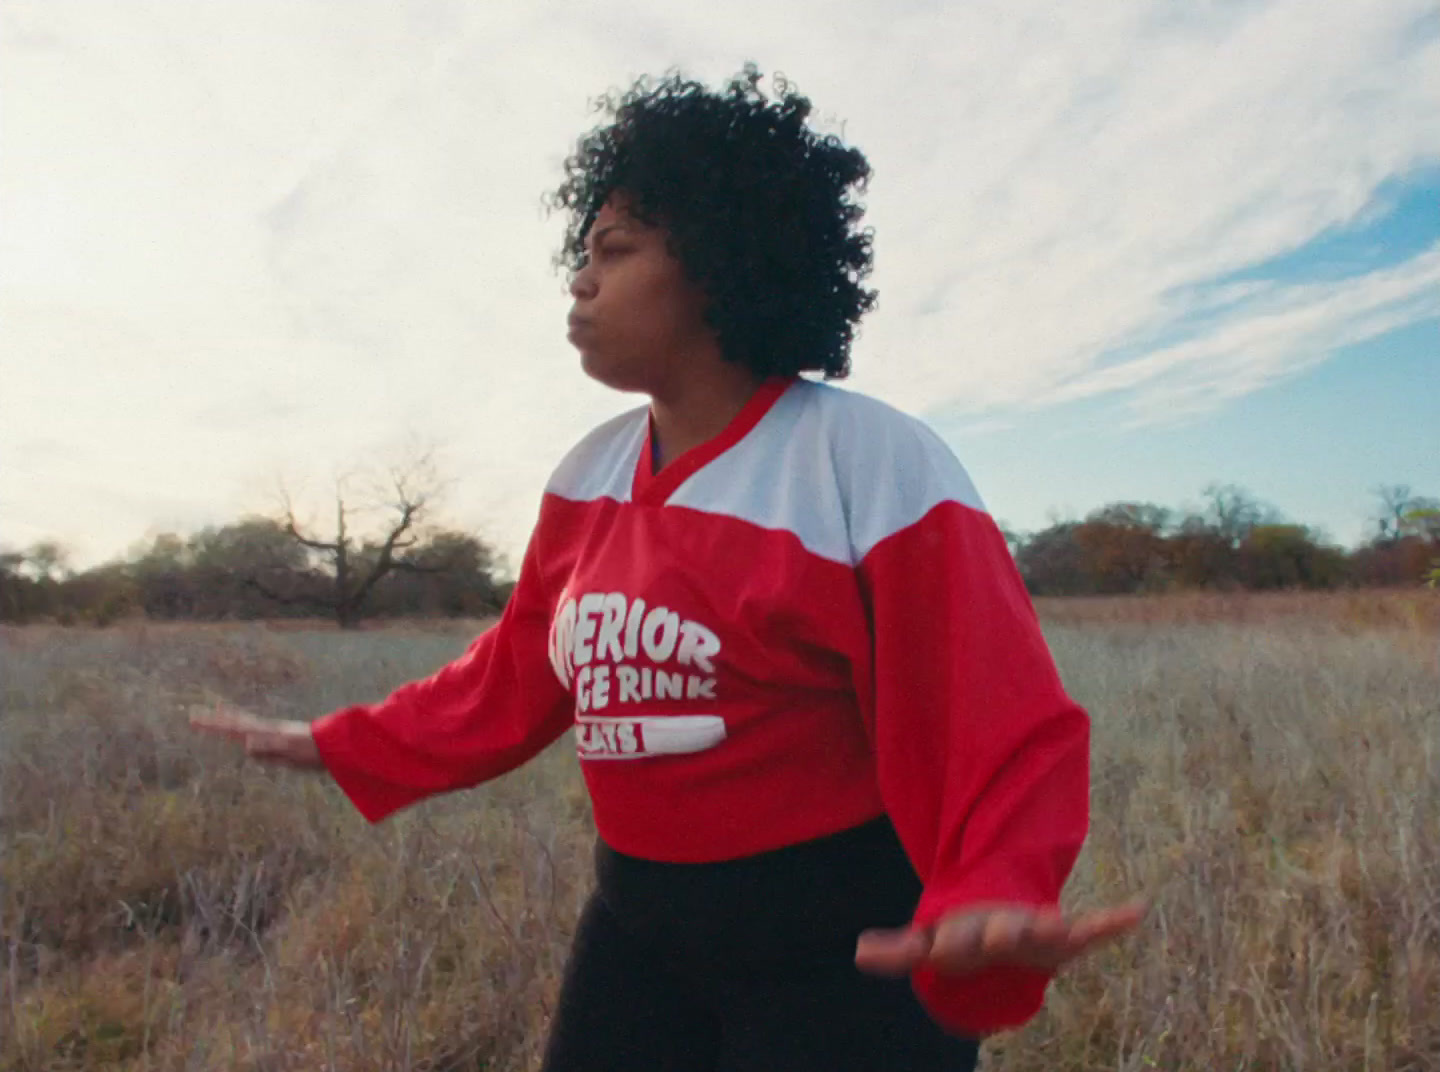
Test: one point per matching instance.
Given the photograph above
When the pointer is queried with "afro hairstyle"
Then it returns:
(759, 210)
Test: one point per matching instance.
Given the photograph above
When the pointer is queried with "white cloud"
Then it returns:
(247, 238)
(1275, 330)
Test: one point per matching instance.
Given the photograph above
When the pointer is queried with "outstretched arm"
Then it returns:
(484, 714)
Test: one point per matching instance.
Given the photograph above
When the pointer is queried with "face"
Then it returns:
(635, 315)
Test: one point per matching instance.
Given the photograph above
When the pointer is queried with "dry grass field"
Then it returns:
(1267, 770)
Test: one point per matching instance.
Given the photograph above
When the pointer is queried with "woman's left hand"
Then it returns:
(986, 936)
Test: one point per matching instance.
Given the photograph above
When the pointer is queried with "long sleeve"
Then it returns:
(484, 714)
(983, 761)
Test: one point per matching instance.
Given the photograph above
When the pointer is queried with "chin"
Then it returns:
(612, 374)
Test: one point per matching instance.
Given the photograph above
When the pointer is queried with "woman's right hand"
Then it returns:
(266, 739)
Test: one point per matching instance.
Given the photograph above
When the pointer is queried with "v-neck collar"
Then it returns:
(654, 488)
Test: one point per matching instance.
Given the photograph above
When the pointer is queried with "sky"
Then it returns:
(1123, 249)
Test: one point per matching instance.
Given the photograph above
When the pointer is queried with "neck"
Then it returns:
(698, 406)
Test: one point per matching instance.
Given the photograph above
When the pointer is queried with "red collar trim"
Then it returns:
(654, 488)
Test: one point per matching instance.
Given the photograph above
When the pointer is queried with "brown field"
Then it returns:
(1415, 609)
(1267, 770)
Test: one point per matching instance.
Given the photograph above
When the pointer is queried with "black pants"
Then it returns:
(747, 966)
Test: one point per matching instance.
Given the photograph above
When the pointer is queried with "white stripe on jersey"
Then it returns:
(602, 465)
(839, 470)
(646, 735)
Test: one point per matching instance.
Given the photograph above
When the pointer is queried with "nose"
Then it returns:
(582, 286)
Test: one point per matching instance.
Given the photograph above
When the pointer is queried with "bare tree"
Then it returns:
(1233, 512)
(47, 560)
(1395, 503)
(1422, 519)
(355, 556)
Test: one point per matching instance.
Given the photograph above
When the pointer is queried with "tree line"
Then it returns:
(379, 557)
(265, 567)
(1235, 542)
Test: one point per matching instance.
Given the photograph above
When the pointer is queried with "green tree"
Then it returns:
(22, 597)
(1200, 556)
(1424, 520)
(100, 596)
(1288, 556)
(1052, 561)
(236, 565)
(47, 561)
(447, 573)
(1123, 547)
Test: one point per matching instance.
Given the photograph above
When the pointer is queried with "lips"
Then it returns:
(579, 327)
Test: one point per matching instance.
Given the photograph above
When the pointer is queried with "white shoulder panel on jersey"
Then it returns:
(839, 470)
(602, 465)
(780, 476)
(896, 470)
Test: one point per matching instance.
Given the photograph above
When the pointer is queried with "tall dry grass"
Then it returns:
(1273, 785)
(1404, 610)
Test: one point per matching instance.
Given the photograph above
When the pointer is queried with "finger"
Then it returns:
(271, 748)
(1080, 936)
(891, 952)
(958, 943)
(1053, 942)
(1107, 924)
(230, 722)
(1004, 933)
(1046, 944)
(261, 745)
(1048, 929)
(220, 725)
(1019, 936)
(1041, 939)
(219, 716)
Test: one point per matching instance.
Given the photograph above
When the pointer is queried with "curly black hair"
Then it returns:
(759, 210)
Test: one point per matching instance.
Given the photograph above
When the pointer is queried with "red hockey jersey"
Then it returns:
(799, 625)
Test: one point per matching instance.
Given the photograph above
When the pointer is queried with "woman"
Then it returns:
(837, 783)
